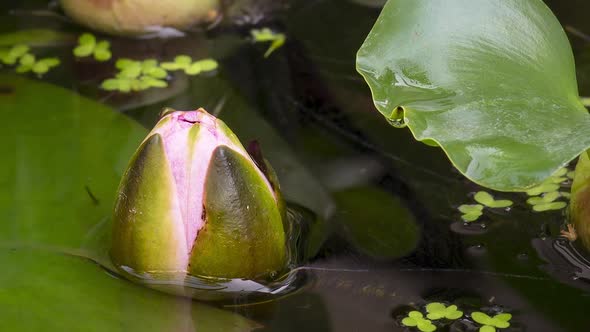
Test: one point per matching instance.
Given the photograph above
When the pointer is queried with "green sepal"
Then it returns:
(148, 232)
(243, 235)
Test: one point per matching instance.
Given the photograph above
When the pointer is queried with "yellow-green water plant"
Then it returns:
(437, 310)
(490, 324)
(416, 319)
(543, 196)
(265, 35)
(88, 45)
(190, 67)
(135, 75)
(26, 61)
(492, 124)
(470, 212)
(486, 199)
(12, 55)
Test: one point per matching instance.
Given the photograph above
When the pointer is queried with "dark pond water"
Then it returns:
(394, 238)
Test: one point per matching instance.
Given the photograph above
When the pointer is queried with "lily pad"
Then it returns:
(66, 293)
(491, 82)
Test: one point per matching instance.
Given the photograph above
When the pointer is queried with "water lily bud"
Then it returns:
(193, 201)
(134, 17)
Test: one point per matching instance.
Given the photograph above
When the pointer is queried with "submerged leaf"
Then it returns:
(481, 79)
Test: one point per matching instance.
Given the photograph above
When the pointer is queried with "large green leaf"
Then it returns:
(60, 163)
(61, 160)
(490, 81)
(43, 291)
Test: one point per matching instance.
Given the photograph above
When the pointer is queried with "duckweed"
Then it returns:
(470, 212)
(19, 54)
(438, 310)
(265, 35)
(185, 63)
(12, 55)
(488, 200)
(135, 75)
(88, 45)
(490, 324)
(542, 188)
(549, 206)
(416, 319)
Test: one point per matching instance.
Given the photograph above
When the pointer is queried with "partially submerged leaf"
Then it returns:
(34, 37)
(492, 82)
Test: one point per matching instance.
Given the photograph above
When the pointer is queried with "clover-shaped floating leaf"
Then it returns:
(471, 212)
(88, 45)
(549, 206)
(488, 200)
(12, 55)
(438, 310)
(500, 321)
(185, 62)
(465, 78)
(265, 35)
(29, 63)
(416, 319)
(135, 75)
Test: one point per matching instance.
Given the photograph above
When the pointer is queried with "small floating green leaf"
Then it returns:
(171, 66)
(549, 206)
(23, 68)
(266, 35)
(557, 180)
(488, 200)
(481, 318)
(503, 317)
(208, 64)
(111, 84)
(123, 63)
(484, 198)
(18, 50)
(471, 216)
(487, 328)
(102, 51)
(415, 314)
(28, 63)
(132, 71)
(155, 72)
(87, 39)
(277, 43)
(27, 60)
(183, 60)
(151, 82)
(410, 322)
(543, 188)
(83, 50)
(438, 310)
(467, 208)
(193, 69)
